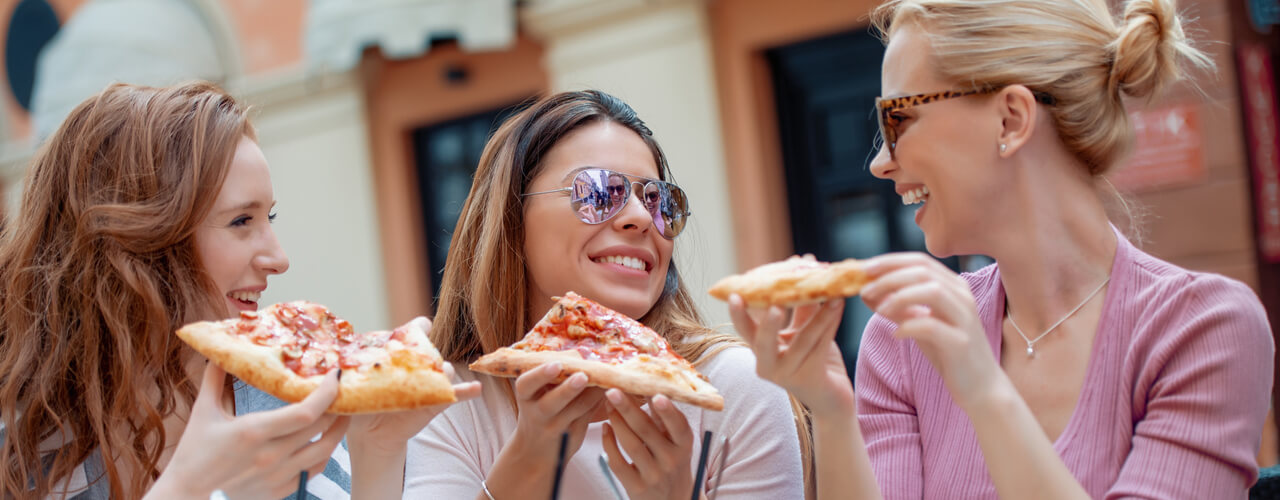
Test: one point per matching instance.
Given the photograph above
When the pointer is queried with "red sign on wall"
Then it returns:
(1258, 94)
(1166, 149)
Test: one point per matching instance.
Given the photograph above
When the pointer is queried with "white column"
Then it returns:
(656, 56)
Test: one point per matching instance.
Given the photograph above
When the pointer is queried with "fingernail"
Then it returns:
(661, 402)
(614, 395)
(553, 367)
(578, 381)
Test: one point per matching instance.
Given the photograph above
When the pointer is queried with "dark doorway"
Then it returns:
(825, 89)
(446, 155)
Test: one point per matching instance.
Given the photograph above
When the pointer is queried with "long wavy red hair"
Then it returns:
(97, 269)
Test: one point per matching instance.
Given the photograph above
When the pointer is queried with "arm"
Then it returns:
(443, 463)
(1208, 388)
(378, 445)
(250, 456)
(764, 450)
(804, 359)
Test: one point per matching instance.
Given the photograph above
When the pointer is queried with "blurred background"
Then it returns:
(373, 114)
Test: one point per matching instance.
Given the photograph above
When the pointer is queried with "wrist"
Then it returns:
(994, 399)
(833, 408)
(520, 467)
(376, 452)
(167, 487)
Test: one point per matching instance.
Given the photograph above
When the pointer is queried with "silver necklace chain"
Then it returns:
(1031, 351)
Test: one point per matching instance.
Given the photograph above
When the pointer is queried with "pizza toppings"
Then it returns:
(284, 349)
(313, 341)
(612, 349)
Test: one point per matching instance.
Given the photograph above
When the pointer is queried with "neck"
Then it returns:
(1056, 248)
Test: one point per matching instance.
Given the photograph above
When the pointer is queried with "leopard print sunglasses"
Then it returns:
(886, 107)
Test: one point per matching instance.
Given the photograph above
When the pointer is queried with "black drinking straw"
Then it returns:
(555, 486)
(702, 464)
(302, 487)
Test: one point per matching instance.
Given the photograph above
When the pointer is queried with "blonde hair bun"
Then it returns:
(1147, 55)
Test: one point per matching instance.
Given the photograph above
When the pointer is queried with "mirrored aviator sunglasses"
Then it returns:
(599, 194)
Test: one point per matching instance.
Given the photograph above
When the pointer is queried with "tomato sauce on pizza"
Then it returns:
(612, 349)
(313, 341)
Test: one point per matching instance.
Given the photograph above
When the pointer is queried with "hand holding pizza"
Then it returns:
(933, 305)
(387, 434)
(802, 356)
(660, 444)
(260, 455)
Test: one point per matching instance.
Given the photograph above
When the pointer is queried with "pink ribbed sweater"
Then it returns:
(1172, 405)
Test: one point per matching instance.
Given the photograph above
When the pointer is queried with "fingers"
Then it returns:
(876, 291)
(671, 421)
(881, 265)
(904, 304)
(558, 397)
(822, 331)
(302, 436)
(312, 454)
(641, 458)
(767, 341)
(298, 416)
(742, 321)
(802, 314)
(529, 383)
(622, 469)
(421, 322)
(579, 410)
(465, 391)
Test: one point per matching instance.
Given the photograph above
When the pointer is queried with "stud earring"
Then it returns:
(1004, 147)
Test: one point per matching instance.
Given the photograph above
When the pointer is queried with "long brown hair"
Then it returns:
(482, 295)
(97, 269)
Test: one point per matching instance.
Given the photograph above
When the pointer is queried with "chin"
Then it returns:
(937, 246)
(629, 302)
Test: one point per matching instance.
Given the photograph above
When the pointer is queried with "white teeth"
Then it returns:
(630, 262)
(245, 296)
(917, 195)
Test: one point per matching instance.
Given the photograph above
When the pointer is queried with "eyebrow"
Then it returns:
(249, 205)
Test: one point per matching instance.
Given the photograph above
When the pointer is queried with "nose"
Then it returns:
(271, 259)
(882, 165)
(635, 215)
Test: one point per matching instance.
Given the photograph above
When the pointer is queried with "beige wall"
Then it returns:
(313, 134)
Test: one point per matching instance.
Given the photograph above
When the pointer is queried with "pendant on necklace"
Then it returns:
(1030, 351)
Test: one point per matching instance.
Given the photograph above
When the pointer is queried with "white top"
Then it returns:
(450, 457)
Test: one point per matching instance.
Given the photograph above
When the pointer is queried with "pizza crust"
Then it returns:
(794, 281)
(407, 382)
(630, 377)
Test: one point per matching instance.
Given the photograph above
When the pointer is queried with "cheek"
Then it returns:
(551, 243)
(215, 256)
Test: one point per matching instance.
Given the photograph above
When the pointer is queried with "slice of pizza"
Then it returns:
(792, 282)
(613, 350)
(286, 350)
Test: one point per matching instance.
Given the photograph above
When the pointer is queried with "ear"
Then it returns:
(1018, 114)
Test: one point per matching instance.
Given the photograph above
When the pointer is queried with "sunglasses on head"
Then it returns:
(886, 107)
(598, 194)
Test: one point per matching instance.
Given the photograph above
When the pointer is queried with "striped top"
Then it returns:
(88, 481)
(1172, 406)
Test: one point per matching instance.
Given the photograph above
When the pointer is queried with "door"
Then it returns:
(825, 90)
(446, 156)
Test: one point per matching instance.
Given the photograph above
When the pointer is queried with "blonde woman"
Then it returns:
(1077, 366)
(524, 238)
